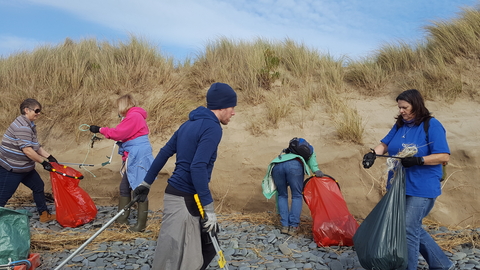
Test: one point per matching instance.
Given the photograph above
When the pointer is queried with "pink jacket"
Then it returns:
(132, 126)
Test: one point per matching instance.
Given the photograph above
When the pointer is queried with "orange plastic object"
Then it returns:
(333, 225)
(73, 206)
(34, 259)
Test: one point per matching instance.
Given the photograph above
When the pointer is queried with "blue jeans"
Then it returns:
(289, 173)
(418, 240)
(9, 182)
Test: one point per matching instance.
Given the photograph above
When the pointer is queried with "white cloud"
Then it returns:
(12, 44)
(335, 26)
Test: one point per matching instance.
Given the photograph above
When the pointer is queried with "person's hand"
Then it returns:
(52, 159)
(319, 173)
(94, 129)
(141, 191)
(47, 166)
(369, 159)
(210, 223)
(412, 161)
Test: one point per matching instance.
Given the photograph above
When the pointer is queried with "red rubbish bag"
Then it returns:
(74, 207)
(333, 225)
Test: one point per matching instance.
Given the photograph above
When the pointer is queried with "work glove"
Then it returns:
(369, 159)
(141, 191)
(412, 161)
(52, 159)
(47, 166)
(319, 173)
(94, 129)
(210, 219)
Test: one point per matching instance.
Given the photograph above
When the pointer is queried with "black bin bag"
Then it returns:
(381, 240)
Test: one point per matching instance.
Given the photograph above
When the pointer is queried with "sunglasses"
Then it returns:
(37, 111)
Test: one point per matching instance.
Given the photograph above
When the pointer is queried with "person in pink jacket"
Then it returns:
(131, 135)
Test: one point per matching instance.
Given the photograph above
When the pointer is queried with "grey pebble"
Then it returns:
(245, 246)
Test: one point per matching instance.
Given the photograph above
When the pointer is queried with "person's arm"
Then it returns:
(381, 149)
(42, 152)
(33, 155)
(141, 191)
(435, 159)
(128, 127)
(207, 146)
(313, 165)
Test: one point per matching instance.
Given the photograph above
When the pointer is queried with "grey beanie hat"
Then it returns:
(221, 96)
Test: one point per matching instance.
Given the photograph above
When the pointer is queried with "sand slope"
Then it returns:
(243, 159)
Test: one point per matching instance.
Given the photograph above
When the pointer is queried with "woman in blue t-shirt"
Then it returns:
(423, 172)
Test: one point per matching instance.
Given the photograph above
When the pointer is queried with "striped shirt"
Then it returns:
(20, 134)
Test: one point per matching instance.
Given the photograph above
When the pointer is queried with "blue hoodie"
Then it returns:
(195, 143)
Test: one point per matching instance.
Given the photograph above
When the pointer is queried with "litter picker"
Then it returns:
(222, 263)
(78, 164)
(373, 151)
(97, 233)
(387, 156)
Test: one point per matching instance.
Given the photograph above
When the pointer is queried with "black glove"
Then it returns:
(319, 174)
(94, 129)
(47, 166)
(369, 159)
(52, 159)
(141, 191)
(412, 161)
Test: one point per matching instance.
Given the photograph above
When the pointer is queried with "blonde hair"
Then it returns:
(124, 103)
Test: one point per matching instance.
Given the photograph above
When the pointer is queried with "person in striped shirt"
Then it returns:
(19, 151)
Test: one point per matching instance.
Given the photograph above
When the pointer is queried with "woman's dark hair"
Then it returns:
(415, 99)
(29, 103)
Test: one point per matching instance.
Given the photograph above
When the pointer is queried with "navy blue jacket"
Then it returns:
(195, 143)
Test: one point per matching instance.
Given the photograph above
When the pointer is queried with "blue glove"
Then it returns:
(319, 173)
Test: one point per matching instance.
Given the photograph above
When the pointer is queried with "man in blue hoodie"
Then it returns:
(183, 242)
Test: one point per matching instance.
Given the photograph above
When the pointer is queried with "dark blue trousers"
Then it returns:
(9, 182)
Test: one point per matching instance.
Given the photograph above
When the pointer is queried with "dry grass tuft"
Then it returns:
(454, 237)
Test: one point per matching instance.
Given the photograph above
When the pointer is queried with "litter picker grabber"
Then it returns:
(373, 151)
(78, 164)
(387, 156)
(97, 233)
(222, 263)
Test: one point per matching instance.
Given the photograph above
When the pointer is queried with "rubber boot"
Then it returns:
(122, 202)
(141, 217)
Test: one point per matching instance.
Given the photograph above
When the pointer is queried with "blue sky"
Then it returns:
(182, 28)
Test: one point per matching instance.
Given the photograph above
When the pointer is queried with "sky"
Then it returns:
(183, 28)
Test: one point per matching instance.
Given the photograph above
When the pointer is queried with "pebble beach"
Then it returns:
(246, 246)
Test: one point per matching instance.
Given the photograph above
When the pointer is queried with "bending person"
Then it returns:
(131, 135)
(289, 169)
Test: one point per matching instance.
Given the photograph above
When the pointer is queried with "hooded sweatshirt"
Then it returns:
(195, 144)
(133, 125)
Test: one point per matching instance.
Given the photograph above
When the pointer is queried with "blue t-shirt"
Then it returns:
(421, 181)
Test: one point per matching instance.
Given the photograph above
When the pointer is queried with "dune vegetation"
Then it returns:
(77, 81)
